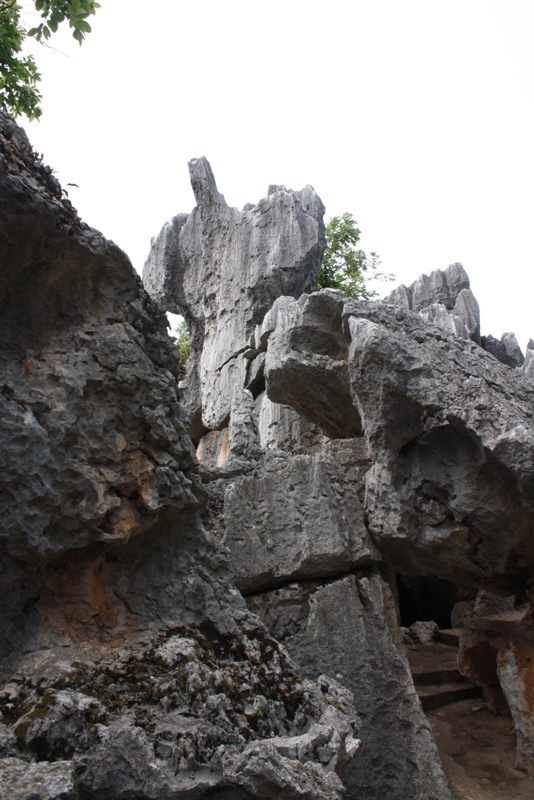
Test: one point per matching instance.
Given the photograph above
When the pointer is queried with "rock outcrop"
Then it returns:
(225, 623)
(223, 269)
(286, 488)
(130, 663)
(449, 432)
(445, 298)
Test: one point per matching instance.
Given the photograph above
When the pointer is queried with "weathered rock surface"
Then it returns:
(339, 442)
(127, 654)
(451, 436)
(348, 627)
(22, 781)
(444, 297)
(296, 517)
(222, 269)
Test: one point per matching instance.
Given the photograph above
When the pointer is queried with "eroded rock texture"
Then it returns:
(286, 483)
(448, 429)
(130, 664)
(348, 627)
(226, 625)
(222, 269)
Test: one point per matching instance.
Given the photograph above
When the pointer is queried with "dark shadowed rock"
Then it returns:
(126, 650)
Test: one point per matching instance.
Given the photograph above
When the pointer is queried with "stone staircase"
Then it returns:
(435, 672)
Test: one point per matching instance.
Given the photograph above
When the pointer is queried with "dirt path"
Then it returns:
(478, 753)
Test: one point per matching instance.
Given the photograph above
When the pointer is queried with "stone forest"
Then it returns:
(298, 565)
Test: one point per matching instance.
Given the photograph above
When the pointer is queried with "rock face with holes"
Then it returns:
(129, 663)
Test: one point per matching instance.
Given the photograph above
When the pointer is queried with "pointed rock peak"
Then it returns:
(203, 182)
(456, 278)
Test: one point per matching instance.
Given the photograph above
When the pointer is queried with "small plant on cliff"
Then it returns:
(345, 266)
(18, 74)
(183, 343)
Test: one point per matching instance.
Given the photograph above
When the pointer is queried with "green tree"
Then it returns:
(184, 342)
(18, 74)
(345, 266)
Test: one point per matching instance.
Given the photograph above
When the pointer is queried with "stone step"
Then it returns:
(436, 676)
(434, 696)
(449, 636)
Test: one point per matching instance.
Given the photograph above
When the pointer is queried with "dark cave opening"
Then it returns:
(426, 598)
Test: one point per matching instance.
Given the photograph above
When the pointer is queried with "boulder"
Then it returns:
(450, 492)
(297, 517)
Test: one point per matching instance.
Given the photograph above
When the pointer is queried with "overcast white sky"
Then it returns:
(416, 116)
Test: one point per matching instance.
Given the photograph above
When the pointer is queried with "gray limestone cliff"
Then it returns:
(222, 269)
(202, 564)
(130, 664)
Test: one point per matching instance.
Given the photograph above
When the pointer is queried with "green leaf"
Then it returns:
(346, 267)
(19, 76)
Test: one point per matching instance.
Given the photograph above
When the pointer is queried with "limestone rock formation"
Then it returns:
(226, 624)
(450, 435)
(130, 665)
(445, 298)
(286, 481)
(223, 269)
(348, 627)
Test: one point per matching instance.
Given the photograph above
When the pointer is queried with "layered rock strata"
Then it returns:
(130, 664)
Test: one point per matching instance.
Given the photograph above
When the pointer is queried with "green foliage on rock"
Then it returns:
(183, 343)
(345, 266)
(18, 74)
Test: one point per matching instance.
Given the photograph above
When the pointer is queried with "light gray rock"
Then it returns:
(451, 489)
(223, 269)
(22, 781)
(422, 632)
(306, 365)
(283, 428)
(514, 356)
(243, 433)
(444, 298)
(528, 365)
(297, 517)
(348, 628)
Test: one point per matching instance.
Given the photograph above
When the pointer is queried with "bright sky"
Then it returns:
(416, 116)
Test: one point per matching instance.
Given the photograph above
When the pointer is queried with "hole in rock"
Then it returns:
(257, 385)
(426, 598)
